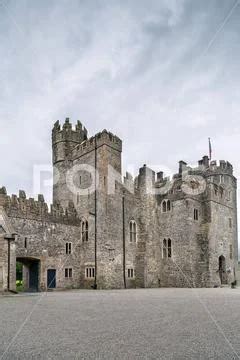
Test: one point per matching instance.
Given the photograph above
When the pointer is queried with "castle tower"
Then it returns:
(222, 222)
(63, 141)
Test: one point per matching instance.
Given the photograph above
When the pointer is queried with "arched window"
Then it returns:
(166, 205)
(84, 230)
(133, 231)
(167, 248)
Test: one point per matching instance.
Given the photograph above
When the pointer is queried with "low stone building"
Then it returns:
(7, 253)
(103, 231)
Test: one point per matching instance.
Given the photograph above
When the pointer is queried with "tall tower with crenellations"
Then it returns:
(64, 139)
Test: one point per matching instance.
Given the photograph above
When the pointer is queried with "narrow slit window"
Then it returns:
(84, 230)
(196, 214)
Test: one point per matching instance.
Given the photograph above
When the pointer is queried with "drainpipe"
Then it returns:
(95, 210)
(124, 241)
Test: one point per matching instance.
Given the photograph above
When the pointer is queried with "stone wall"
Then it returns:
(6, 229)
(197, 242)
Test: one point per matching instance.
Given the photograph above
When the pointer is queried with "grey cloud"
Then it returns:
(137, 68)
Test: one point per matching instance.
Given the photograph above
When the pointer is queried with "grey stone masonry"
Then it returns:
(148, 231)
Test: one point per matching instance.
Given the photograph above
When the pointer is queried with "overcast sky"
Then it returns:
(163, 75)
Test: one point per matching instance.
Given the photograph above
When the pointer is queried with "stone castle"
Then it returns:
(104, 231)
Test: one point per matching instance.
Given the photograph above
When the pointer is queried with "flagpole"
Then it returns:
(210, 148)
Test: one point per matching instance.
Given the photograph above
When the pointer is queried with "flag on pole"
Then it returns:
(210, 148)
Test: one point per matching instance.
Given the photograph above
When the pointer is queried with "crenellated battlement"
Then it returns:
(215, 170)
(65, 138)
(207, 167)
(67, 133)
(101, 138)
(21, 207)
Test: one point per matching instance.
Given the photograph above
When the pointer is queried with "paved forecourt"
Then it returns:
(122, 324)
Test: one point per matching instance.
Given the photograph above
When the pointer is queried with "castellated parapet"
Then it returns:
(67, 133)
(151, 231)
(102, 138)
(21, 207)
(65, 138)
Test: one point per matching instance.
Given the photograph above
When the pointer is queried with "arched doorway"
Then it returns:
(222, 269)
(30, 273)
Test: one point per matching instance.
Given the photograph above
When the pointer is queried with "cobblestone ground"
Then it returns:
(122, 324)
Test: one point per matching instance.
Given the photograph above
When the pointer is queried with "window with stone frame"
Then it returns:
(130, 273)
(90, 272)
(167, 248)
(230, 222)
(195, 214)
(230, 251)
(215, 189)
(84, 230)
(68, 248)
(68, 272)
(133, 231)
(166, 206)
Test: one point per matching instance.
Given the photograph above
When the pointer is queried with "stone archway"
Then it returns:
(222, 270)
(31, 273)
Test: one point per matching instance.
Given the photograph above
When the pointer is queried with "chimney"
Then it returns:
(182, 166)
(160, 176)
(205, 161)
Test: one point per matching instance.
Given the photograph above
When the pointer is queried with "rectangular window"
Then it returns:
(195, 214)
(68, 248)
(25, 242)
(230, 222)
(130, 273)
(90, 272)
(215, 190)
(167, 248)
(230, 251)
(164, 248)
(68, 273)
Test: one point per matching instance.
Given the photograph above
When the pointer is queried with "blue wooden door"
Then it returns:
(51, 278)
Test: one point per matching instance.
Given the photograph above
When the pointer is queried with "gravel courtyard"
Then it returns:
(122, 324)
